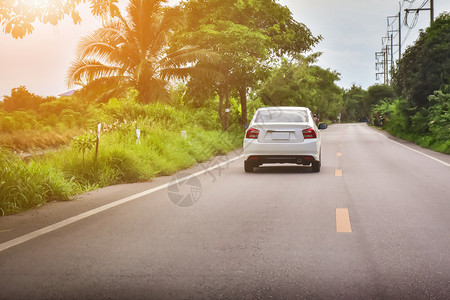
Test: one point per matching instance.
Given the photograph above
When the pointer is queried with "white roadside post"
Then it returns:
(99, 129)
(138, 135)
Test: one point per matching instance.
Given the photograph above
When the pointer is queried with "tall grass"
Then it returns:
(34, 139)
(25, 185)
(59, 175)
(121, 159)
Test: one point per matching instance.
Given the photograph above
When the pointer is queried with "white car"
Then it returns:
(283, 135)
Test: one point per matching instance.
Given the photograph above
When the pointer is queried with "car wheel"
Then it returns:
(248, 167)
(315, 167)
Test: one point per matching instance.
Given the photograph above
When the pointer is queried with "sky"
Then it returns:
(351, 31)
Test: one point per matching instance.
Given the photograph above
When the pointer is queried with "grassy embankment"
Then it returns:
(161, 151)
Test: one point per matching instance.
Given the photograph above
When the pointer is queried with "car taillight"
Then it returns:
(309, 133)
(252, 133)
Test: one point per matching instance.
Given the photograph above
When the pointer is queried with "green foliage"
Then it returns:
(354, 107)
(268, 17)
(126, 108)
(377, 93)
(23, 186)
(161, 151)
(427, 127)
(21, 99)
(299, 83)
(17, 17)
(66, 112)
(18, 120)
(358, 103)
(121, 159)
(33, 122)
(422, 71)
(248, 36)
(424, 67)
(439, 116)
(83, 143)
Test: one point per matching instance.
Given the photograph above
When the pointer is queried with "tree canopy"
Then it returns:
(23, 100)
(17, 16)
(354, 100)
(247, 35)
(299, 82)
(358, 103)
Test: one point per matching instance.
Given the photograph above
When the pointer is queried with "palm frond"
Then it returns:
(110, 33)
(97, 49)
(189, 55)
(108, 82)
(118, 92)
(85, 70)
(103, 89)
(160, 36)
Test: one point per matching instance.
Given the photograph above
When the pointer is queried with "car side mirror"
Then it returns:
(323, 126)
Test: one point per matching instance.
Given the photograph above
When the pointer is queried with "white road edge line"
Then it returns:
(53, 227)
(414, 150)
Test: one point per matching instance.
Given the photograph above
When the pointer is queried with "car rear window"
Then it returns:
(282, 116)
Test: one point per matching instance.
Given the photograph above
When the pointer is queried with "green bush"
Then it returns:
(428, 128)
(18, 120)
(439, 116)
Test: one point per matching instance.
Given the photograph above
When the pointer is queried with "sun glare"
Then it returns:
(42, 4)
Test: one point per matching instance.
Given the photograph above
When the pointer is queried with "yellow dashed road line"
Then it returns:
(343, 220)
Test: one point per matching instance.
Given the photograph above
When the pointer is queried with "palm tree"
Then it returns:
(132, 52)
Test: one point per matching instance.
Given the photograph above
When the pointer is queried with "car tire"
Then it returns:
(315, 167)
(248, 167)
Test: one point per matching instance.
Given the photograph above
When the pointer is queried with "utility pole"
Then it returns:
(392, 50)
(386, 45)
(400, 33)
(431, 9)
(391, 30)
(386, 66)
(379, 63)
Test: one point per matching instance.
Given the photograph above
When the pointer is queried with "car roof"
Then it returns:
(284, 108)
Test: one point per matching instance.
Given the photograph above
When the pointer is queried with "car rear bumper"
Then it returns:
(276, 152)
(281, 159)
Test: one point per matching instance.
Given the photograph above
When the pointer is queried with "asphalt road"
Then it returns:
(374, 223)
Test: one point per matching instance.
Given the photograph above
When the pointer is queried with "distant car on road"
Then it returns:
(283, 135)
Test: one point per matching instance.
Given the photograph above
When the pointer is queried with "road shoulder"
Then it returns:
(437, 155)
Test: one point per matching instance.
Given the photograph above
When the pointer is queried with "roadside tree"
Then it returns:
(248, 36)
(132, 52)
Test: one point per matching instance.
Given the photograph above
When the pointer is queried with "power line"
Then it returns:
(416, 19)
(384, 59)
(421, 8)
